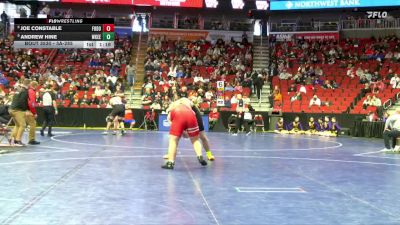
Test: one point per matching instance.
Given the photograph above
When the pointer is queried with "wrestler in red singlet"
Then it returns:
(183, 118)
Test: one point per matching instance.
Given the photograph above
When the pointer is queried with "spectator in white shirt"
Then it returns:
(395, 81)
(113, 79)
(375, 101)
(172, 71)
(284, 75)
(367, 102)
(209, 95)
(360, 72)
(198, 78)
(98, 91)
(315, 101)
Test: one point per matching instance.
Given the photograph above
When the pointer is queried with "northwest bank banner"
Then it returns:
(328, 4)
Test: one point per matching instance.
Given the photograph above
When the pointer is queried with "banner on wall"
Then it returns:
(214, 35)
(318, 36)
(281, 37)
(191, 35)
(289, 36)
(164, 125)
(175, 34)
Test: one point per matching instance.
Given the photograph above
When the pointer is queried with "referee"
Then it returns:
(49, 110)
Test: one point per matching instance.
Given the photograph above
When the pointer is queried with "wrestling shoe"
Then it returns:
(202, 161)
(19, 144)
(33, 142)
(168, 165)
(210, 156)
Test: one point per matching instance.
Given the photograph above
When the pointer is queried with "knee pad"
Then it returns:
(109, 119)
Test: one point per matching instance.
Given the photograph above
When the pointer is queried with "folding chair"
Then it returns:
(149, 121)
(258, 122)
(5, 131)
(232, 123)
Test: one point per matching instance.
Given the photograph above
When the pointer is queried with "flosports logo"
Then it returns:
(377, 14)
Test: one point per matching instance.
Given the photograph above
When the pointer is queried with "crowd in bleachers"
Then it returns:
(177, 68)
(330, 75)
(80, 78)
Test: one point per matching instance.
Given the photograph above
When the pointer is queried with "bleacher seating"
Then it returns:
(210, 70)
(369, 54)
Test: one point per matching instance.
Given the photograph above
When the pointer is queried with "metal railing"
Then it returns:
(387, 104)
(361, 24)
(93, 14)
(356, 24)
(68, 14)
(296, 27)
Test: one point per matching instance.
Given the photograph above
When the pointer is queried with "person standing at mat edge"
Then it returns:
(49, 111)
(392, 130)
(18, 111)
(31, 114)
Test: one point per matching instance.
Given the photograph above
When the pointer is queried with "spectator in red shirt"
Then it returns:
(31, 114)
(213, 118)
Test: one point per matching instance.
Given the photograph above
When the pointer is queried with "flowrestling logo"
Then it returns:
(377, 14)
(321, 4)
